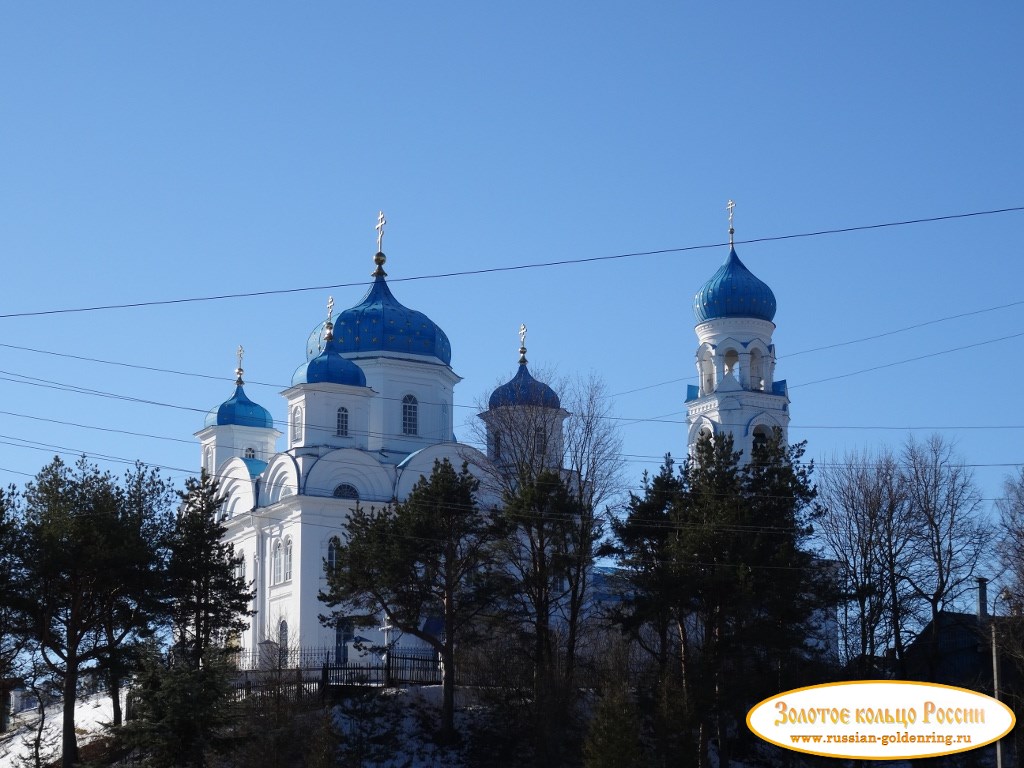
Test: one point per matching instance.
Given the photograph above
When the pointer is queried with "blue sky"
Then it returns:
(158, 151)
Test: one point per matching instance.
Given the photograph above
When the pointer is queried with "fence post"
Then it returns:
(388, 675)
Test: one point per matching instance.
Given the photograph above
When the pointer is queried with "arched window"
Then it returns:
(333, 547)
(208, 460)
(277, 563)
(288, 559)
(732, 360)
(240, 567)
(342, 422)
(761, 434)
(410, 415)
(296, 424)
(497, 444)
(540, 441)
(346, 491)
(342, 636)
(250, 453)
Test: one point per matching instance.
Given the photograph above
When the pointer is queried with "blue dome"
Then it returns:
(524, 390)
(379, 323)
(733, 291)
(331, 368)
(240, 411)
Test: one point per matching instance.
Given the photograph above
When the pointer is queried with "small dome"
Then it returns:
(379, 323)
(524, 390)
(734, 291)
(330, 367)
(240, 411)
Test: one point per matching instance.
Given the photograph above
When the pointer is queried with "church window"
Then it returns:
(240, 567)
(732, 360)
(277, 563)
(287, 559)
(756, 370)
(250, 453)
(343, 635)
(296, 424)
(497, 444)
(342, 430)
(410, 415)
(333, 550)
(760, 437)
(540, 441)
(346, 491)
(208, 460)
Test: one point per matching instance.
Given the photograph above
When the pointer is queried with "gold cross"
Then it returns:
(381, 221)
(238, 371)
(730, 206)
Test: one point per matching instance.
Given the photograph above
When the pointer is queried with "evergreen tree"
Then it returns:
(12, 575)
(652, 609)
(209, 599)
(139, 556)
(86, 567)
(431, 555)
(723, 549)
(183, 698)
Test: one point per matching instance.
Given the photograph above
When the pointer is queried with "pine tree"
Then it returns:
(184, 697)
(431, 555)
(86, 567)
(723, 549)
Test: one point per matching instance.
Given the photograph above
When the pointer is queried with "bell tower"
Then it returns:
(736, 390)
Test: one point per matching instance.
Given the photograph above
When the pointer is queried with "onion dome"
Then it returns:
(239, 410)
(523, 389)
(329, 367)
(734, 291)
(380, 324)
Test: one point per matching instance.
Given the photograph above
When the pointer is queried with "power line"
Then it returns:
(513, 268)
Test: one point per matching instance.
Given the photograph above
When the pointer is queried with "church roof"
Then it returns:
(523, 389)
(240, 411)
(734, 291)
(330, 367)
(380, 323)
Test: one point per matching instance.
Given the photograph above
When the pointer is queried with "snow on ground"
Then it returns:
(91, 714)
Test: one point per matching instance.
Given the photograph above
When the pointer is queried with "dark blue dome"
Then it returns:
(733, 291)
(524, 390)
(331, 368)
(240, 411)
(379, 323)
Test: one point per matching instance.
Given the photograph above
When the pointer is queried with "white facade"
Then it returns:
(736, 392)
(365, 421)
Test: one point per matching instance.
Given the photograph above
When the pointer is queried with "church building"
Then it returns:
(369, 411)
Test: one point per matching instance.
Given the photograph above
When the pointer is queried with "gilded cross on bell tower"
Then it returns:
(380, 258)
(522, 344)
(381, 221)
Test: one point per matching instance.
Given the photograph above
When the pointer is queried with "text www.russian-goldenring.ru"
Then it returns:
(885, 739)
